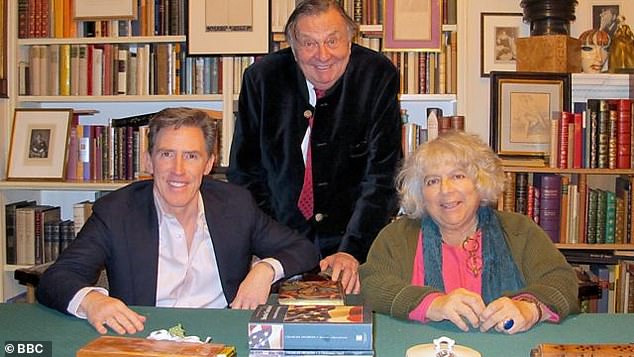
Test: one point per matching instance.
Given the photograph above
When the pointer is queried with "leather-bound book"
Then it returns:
(568, 350)
(118, 346)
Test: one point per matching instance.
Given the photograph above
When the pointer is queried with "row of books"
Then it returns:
(420, 72)
(370, 12)
(429, 72)
(616, 284)
(415, 134)
(117, 69)
(571, 211)
(36, 234)
(117, 151)
(597, 135)
(54, 19)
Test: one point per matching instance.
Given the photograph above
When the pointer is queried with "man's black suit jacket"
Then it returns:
(122, 236)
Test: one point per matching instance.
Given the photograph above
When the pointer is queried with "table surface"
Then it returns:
(32, 322)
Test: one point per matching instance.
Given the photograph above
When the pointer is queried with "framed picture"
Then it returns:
(38, 144)
(3, 48)
(99, 9)
(600, 14)
(498, 34)
(412, 25)
(228, 27)
(522, 106)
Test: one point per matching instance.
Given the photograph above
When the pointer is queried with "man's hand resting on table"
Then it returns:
(255, 288)
(104, 311)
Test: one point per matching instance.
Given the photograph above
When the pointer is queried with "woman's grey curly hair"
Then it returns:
(455, 149)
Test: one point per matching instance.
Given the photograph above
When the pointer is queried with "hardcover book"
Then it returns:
(310, 327)
(130, 346)
(562, 350)
(288, 353)
(313, 292)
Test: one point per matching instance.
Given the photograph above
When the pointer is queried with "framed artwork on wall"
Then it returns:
(522, 106)
(498, 34)
(99, 9)
(601, 14)
(228, 27)
(412, 25)
(38, 144)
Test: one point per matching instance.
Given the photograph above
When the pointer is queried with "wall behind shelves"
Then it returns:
(474, 100)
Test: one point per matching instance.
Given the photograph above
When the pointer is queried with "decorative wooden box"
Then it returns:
(549, 53)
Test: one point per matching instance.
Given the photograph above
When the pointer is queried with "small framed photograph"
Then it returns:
(412, 25)
(100, 10)
(38, 144)
(605, 16)
(228, 27)
(600, 14)
(498, 34)
(522, 106)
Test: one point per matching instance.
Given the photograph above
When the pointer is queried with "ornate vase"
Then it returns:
(549, 17)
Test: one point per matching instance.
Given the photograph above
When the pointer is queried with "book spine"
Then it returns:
(603, 132)
(10, 233)
(612, 135)
(566, 118)
(564, 204)
(610, 217)
(578, 140)
(592, 216)
(593, 112)
(624, 134)
(583, 205)
(549, 214)
(64, 69)
(602, 205)
(508, 197)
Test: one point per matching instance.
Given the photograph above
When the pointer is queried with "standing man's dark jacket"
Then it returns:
(356, 146)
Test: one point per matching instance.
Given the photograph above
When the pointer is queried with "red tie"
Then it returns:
(305, 202)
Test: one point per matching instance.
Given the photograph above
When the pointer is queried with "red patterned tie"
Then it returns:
(305, 202)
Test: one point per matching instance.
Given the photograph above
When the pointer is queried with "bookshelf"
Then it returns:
(65, 193)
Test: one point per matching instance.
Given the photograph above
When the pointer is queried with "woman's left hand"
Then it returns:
(499, 314)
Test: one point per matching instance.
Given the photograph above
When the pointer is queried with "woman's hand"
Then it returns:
(460, 306)
(523, 313)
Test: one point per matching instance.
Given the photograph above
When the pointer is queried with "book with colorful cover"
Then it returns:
(311, 292)
(310, 327)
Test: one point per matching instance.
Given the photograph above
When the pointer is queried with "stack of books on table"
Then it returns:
(310, 330)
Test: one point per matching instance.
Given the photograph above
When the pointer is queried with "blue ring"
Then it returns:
(508, 324)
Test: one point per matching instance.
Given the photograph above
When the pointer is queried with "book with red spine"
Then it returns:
(623, 133)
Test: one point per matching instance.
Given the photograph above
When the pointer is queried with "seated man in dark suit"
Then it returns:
(179, 240)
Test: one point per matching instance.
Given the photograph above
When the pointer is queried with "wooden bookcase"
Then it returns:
(65, 194)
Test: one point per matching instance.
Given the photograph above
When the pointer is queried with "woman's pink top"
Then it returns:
(455, 273)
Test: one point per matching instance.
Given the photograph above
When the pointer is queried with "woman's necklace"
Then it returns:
(474, 261)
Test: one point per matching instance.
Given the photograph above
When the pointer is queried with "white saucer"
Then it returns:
(428, 350)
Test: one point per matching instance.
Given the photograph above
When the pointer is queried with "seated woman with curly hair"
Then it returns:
(455, 258)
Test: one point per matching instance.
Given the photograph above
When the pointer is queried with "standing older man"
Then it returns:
(318, 136)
